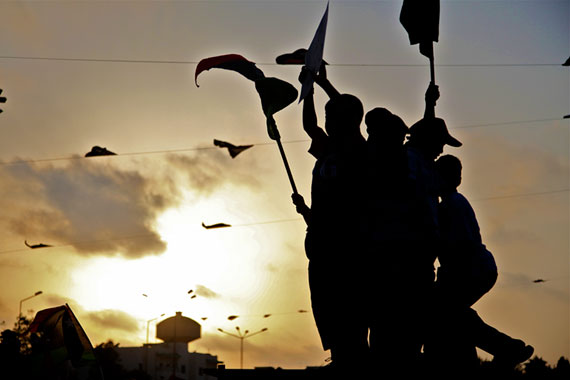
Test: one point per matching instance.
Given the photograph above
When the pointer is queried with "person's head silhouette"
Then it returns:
(343, 116)
(430, 135)
(448, 169)
(383, 127)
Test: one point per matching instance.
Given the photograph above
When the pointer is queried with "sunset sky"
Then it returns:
(120, 74)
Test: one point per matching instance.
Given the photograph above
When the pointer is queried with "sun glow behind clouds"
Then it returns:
(226, 261)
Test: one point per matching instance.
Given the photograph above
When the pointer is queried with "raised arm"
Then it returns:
(309, 114)
(322, 80)
(431, 97)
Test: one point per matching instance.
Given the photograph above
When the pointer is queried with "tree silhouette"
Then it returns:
(562, 369)
(538, 369)
(109, 361)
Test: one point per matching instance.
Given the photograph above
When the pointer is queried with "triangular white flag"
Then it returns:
(314, 55)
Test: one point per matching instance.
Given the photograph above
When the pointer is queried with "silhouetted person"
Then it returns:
(334, 237)
(389, 215)
(407, 247)
(467, 271)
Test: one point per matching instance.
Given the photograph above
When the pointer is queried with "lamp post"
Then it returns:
(148, 323)
(146, 350)
(22, 301)
(242, 336)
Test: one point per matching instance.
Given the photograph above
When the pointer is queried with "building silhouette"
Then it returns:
(170, 359)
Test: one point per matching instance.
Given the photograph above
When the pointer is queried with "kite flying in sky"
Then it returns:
(98, 151)
(35, 246)
(232, 149)
(2, 100)
(217, 225)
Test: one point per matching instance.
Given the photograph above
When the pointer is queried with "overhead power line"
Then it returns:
(192, 149)
(186, 62)
(146, 236)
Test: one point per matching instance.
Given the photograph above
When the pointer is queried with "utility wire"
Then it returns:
(522, 195)
(191, 149)
(142, 236)
(185, 62)
(77, 157)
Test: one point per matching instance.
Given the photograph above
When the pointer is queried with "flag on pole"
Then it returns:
(234, 62)
(62, 346)
(275, 94)
(314, 55)
(420, 18)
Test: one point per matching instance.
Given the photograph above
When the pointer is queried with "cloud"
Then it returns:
(203, 291)
(98, 208)
(87, 205)
(213, 168)
(111, 320)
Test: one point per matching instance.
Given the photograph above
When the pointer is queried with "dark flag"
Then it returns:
(234, 62)
(275, 94)
(420, 18)
(62, 346)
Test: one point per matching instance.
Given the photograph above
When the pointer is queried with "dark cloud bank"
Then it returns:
(99, 208)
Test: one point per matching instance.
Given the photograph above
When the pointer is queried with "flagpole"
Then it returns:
(432, 69)
(287, 168)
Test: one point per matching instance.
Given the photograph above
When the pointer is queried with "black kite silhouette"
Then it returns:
(232, 149)
(98, 151)
(217, 225)
(2, 100)
(35, 246)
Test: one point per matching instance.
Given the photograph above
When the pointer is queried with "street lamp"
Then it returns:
(148, 323)
(242, 336)
(21, 301)
(146, 349)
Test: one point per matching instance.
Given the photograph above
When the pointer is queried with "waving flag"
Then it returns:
(234, 62)
(420, 18)
(62, 339)
(275, 94)
(314, 55)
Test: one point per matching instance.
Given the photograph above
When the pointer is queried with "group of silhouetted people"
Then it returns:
(375, 228)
